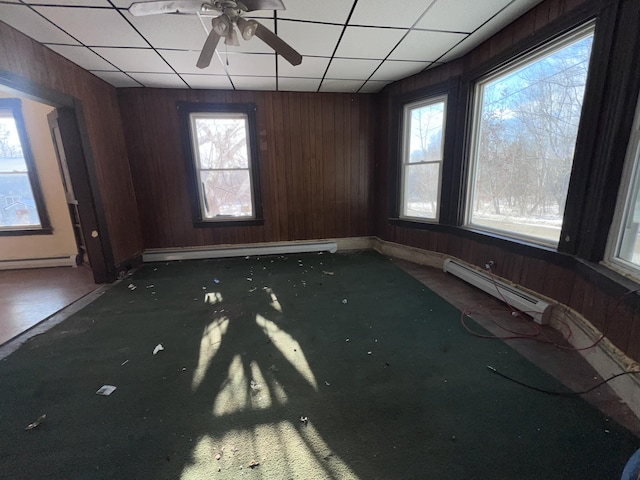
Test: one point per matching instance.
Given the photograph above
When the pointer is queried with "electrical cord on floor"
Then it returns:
(556, 393)
(539, 332)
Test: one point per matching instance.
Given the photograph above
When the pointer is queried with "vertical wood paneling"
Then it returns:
(314, 157)
(41, 68)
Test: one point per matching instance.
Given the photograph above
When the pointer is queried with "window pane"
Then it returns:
(425, 141)
(421, 190)
(227, 193)
(17, 205)
(222, 142)
(11, 158)
(423, 137)
(527, 124)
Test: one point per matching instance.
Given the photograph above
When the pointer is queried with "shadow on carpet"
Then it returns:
(289, 367)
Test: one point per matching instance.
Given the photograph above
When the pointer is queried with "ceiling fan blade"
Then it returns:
(262, 5)
(140, 9)
(208, 49)
(280, 46)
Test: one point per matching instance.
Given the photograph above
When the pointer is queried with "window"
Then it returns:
(423, 125)
(526, 119)
(223, 162)
(21, 206)
(623, 248)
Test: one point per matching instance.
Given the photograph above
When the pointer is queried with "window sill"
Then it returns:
(228, 223)
(24, 233)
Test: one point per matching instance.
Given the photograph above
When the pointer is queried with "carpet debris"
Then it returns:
(327, 273)
(344, 300)
(132, 287)
(215, 280)
(369, 352)
(158, 348)
(33, 425)
(254, 385)
(347, 340)
(150, 286)
(124, 363)
(106, 390)
(304, 420)
(327, 383)
(253, 464)
(273, 368)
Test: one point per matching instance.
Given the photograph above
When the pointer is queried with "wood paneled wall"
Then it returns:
(36, 68)
(592, 290)
(316, 166)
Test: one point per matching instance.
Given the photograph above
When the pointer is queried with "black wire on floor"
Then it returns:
(556, 393)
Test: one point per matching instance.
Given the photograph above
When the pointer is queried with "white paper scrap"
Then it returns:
(106, 390)
(158, 348)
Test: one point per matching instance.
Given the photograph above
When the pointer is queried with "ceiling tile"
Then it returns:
(94, 26)
(134, 59)
(439, 16)
(310, 38)
(424, 46)
(251, 64)
(396, 69)
(159, 80)
(399, 13)
(254, 83)
(372, 86)
(506, 16)
(340, 85)
(30, 23)
(216, 82)
(180, 32)
(351, 69)
(185, 62)
(83, 57)
(117, 79)
(328, 11)
(368, 42)
(286, 84)
(311, 67)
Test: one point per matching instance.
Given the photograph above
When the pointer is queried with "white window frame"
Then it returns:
(629, 187)
(405, 154)
(549, 48)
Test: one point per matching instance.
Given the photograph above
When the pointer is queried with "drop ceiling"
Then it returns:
(347, 45)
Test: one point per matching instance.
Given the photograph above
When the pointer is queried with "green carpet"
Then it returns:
(391, 385)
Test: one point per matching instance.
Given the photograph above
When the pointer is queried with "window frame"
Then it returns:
(629, 185)
(233, 110)
(505, 67)
(447, 201)
(14, 105)
(403, 162)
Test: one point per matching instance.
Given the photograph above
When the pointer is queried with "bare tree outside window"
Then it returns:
(223, 164)
(527, 124)
(422, 158)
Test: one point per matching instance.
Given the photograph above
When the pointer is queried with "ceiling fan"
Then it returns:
(227, 16)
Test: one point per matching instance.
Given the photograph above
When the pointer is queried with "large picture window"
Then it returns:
(423, 125)
(224, 162)
(526, 118)
(21, 205)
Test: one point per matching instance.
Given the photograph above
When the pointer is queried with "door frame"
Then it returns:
(84, 180)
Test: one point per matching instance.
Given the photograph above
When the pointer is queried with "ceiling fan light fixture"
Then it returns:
(232, 38)
(247, 28)
(221, 25)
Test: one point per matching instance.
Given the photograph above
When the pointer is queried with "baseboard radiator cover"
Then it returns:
(65, 261)
(227, 251)
(537, 308)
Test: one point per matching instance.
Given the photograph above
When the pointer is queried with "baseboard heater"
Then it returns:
(238, 251)
(66, 261)
(538, 309)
